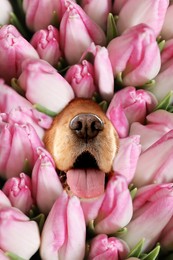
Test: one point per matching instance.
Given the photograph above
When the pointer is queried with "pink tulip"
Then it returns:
(116, 209)
(73, 43)
(167, 31)
(46, 42)
(103, 247)
(157, 124)
(159, 169)
(150, 12)
(118, 5)
(5, 12)
(63, 235)
(100, 17)
(45, 182)
(18, 149)
(136, 55)
(21, 115)
(18, 190)
(18, 234)
(41, 13)
(10, 99)
(153, 209)
(4, 200)
(13, 50)
(166, 237)
(81, 78)
(167, 52)
(47, 83)
(130, 105)
(104, 73)
(125, 161)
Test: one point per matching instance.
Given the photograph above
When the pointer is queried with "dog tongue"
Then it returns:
(88, 183)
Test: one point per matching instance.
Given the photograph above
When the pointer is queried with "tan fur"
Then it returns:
(65, 146)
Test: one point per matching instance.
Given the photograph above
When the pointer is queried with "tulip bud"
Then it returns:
(129, 105)
(42, 13)
(5, 12)
(157, 124)
(47, 83)
(116, 209)
(63, 235)
(136, 55)
(150, 12)
(159, 169)
(153, 209)
(18, 234)
(103, 247)
(46, 42)
(100, 17)
(18, 190)
(125, 161)
(72, 42)
(81, 78)
(13, 50)
(18, 149)
(4, 201)
(46, 184)
(167, 31)
(21, 115)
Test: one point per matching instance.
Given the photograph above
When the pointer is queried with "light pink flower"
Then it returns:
(136, 55)
(13, 50)
(50, 89)
(4, 201)
(167, 31)
(5, 12)
(117, 5)
(63, 234)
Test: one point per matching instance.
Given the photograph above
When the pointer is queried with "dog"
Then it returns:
(83, 144)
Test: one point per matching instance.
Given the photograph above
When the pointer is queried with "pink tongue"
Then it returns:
(88, 183)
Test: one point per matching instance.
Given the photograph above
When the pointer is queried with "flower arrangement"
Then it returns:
(119, 54)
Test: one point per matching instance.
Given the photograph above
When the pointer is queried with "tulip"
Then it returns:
(166, 237)
(136, 55)
(167, 31)
(5, 12)
(18, 234)
(63, 235)
(13, 50)
(118, 5)
(100, 17)
(159, 169)
(153, 209)
(73, 43)
(158, 123)
(125, 161)
(150, 12)
(103, 73)
(18, 190)
(41, 13)
(167, 52)
(129, 105)
(21, 115)
(103, 247)
(4, 201)
(10, 99)
(18, 149)
(116, 209)
(46, 42)
(47, 83)
(81, 78)
(45, 182)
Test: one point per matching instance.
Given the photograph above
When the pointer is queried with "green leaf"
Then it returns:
(149, 84)
(15, 21)
(90, 229)
(104, 105)
(12, 256)
(133, 193)
(161, 45)
(40, 219)
(112, 31)
(136, 251)
(119, 78)
(45, 110)
(16, 87)
(153, 254)
(165, 102)
(120, 232)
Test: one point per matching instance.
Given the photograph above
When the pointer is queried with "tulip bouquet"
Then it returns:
(118, 53)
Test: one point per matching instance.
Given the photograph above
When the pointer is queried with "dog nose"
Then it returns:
(86, 126)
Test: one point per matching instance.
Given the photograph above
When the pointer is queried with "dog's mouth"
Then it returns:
(85, 179)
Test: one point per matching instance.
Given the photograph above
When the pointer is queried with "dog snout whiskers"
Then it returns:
(86, 126)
